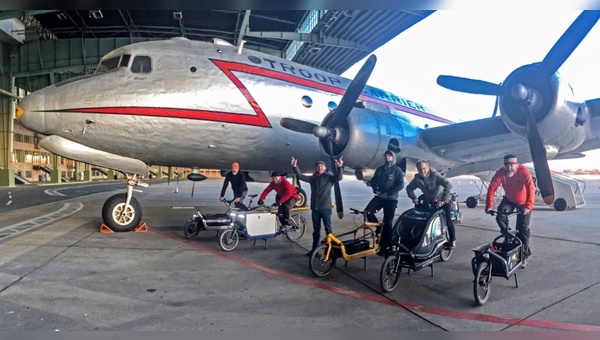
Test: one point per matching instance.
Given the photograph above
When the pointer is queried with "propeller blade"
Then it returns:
(297, 125)
(540, 162)
(468, 85)
(339, 205)
(496, 106)
(353, 92)
(567, 43)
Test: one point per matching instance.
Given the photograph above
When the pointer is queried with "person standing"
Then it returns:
(321, 182)
(436, 189)
(287, 196)
(238, 184)
(387, 181)
(519, 193)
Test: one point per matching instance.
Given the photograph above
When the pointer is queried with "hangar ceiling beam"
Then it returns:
(311, 38)
(16, 14)
(243, 27)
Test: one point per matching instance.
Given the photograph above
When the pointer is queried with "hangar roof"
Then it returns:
(332, 40)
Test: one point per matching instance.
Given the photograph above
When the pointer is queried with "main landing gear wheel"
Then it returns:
(229, 239)
(191, 229)
(296, 230)
(317, 263)
(388, 276)
(482, 285)
(301, 202)
(119, 218)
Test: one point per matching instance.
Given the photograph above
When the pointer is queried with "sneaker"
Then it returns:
(452, 244)
(309, 253)
(524, 264)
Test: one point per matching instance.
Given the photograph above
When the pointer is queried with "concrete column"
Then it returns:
(87, 175)
(7, 178)
(55, 176)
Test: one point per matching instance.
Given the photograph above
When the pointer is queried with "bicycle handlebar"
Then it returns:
(358, 212)
(507, 213)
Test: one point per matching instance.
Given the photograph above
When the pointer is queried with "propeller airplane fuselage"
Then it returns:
(198, 104)
(205, 105)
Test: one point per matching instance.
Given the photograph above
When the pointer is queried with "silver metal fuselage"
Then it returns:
(205, 105)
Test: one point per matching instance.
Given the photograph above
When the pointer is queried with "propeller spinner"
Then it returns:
(529, 97)
(328, 130)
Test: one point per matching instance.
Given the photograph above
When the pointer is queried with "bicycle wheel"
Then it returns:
(191, 228)
(389, 274)
(297, 228)
(318, 265)
(445, 252)
(228, 239)
(482, 284)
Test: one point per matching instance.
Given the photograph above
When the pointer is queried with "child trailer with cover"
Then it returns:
(420, 238)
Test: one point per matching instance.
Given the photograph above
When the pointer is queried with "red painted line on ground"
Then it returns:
(383, 300)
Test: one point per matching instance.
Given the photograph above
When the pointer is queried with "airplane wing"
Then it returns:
(479, 145)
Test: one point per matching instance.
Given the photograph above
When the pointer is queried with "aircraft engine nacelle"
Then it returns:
(560, 119)
(369, 135)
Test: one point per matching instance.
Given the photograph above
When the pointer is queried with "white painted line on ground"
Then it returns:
(183, 207)
(21, 227)
(8, 203)
(53, 192)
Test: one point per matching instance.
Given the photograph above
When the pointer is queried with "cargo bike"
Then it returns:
(364, 242)
(420, 238)
(501, 257)
(260, 223)
(212, 222)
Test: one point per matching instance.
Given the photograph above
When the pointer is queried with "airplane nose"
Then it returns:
(30, 112)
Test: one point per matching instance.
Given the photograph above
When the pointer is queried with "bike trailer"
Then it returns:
(420, 230)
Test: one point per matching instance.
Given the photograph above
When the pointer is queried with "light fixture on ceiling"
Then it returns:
(97, 14)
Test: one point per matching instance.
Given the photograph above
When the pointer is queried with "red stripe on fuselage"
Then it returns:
(260, 118)
(226, 117)
(228, 66)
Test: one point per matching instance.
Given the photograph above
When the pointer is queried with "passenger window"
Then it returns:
(141, 64)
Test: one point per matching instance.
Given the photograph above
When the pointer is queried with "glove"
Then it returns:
(261, 202)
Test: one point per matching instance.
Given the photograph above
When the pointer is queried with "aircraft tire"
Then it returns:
(560, 204)
(471, 202)
(113, 217)
(301, 202)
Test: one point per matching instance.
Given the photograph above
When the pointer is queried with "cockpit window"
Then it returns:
(113, 63)
(141, 64)
(125, 60)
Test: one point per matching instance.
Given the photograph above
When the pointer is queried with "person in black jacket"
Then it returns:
(238, 185)
(387, 181)
(321, 182)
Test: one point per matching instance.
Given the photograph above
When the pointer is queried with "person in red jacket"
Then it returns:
(519, 192)
(287, 196)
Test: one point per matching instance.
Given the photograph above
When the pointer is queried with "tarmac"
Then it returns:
(58, 272)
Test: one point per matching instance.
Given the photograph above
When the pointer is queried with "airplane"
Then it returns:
(198, 104)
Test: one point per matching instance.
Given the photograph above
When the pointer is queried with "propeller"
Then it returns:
(468, 85)
(327, 132)
(528, 97)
